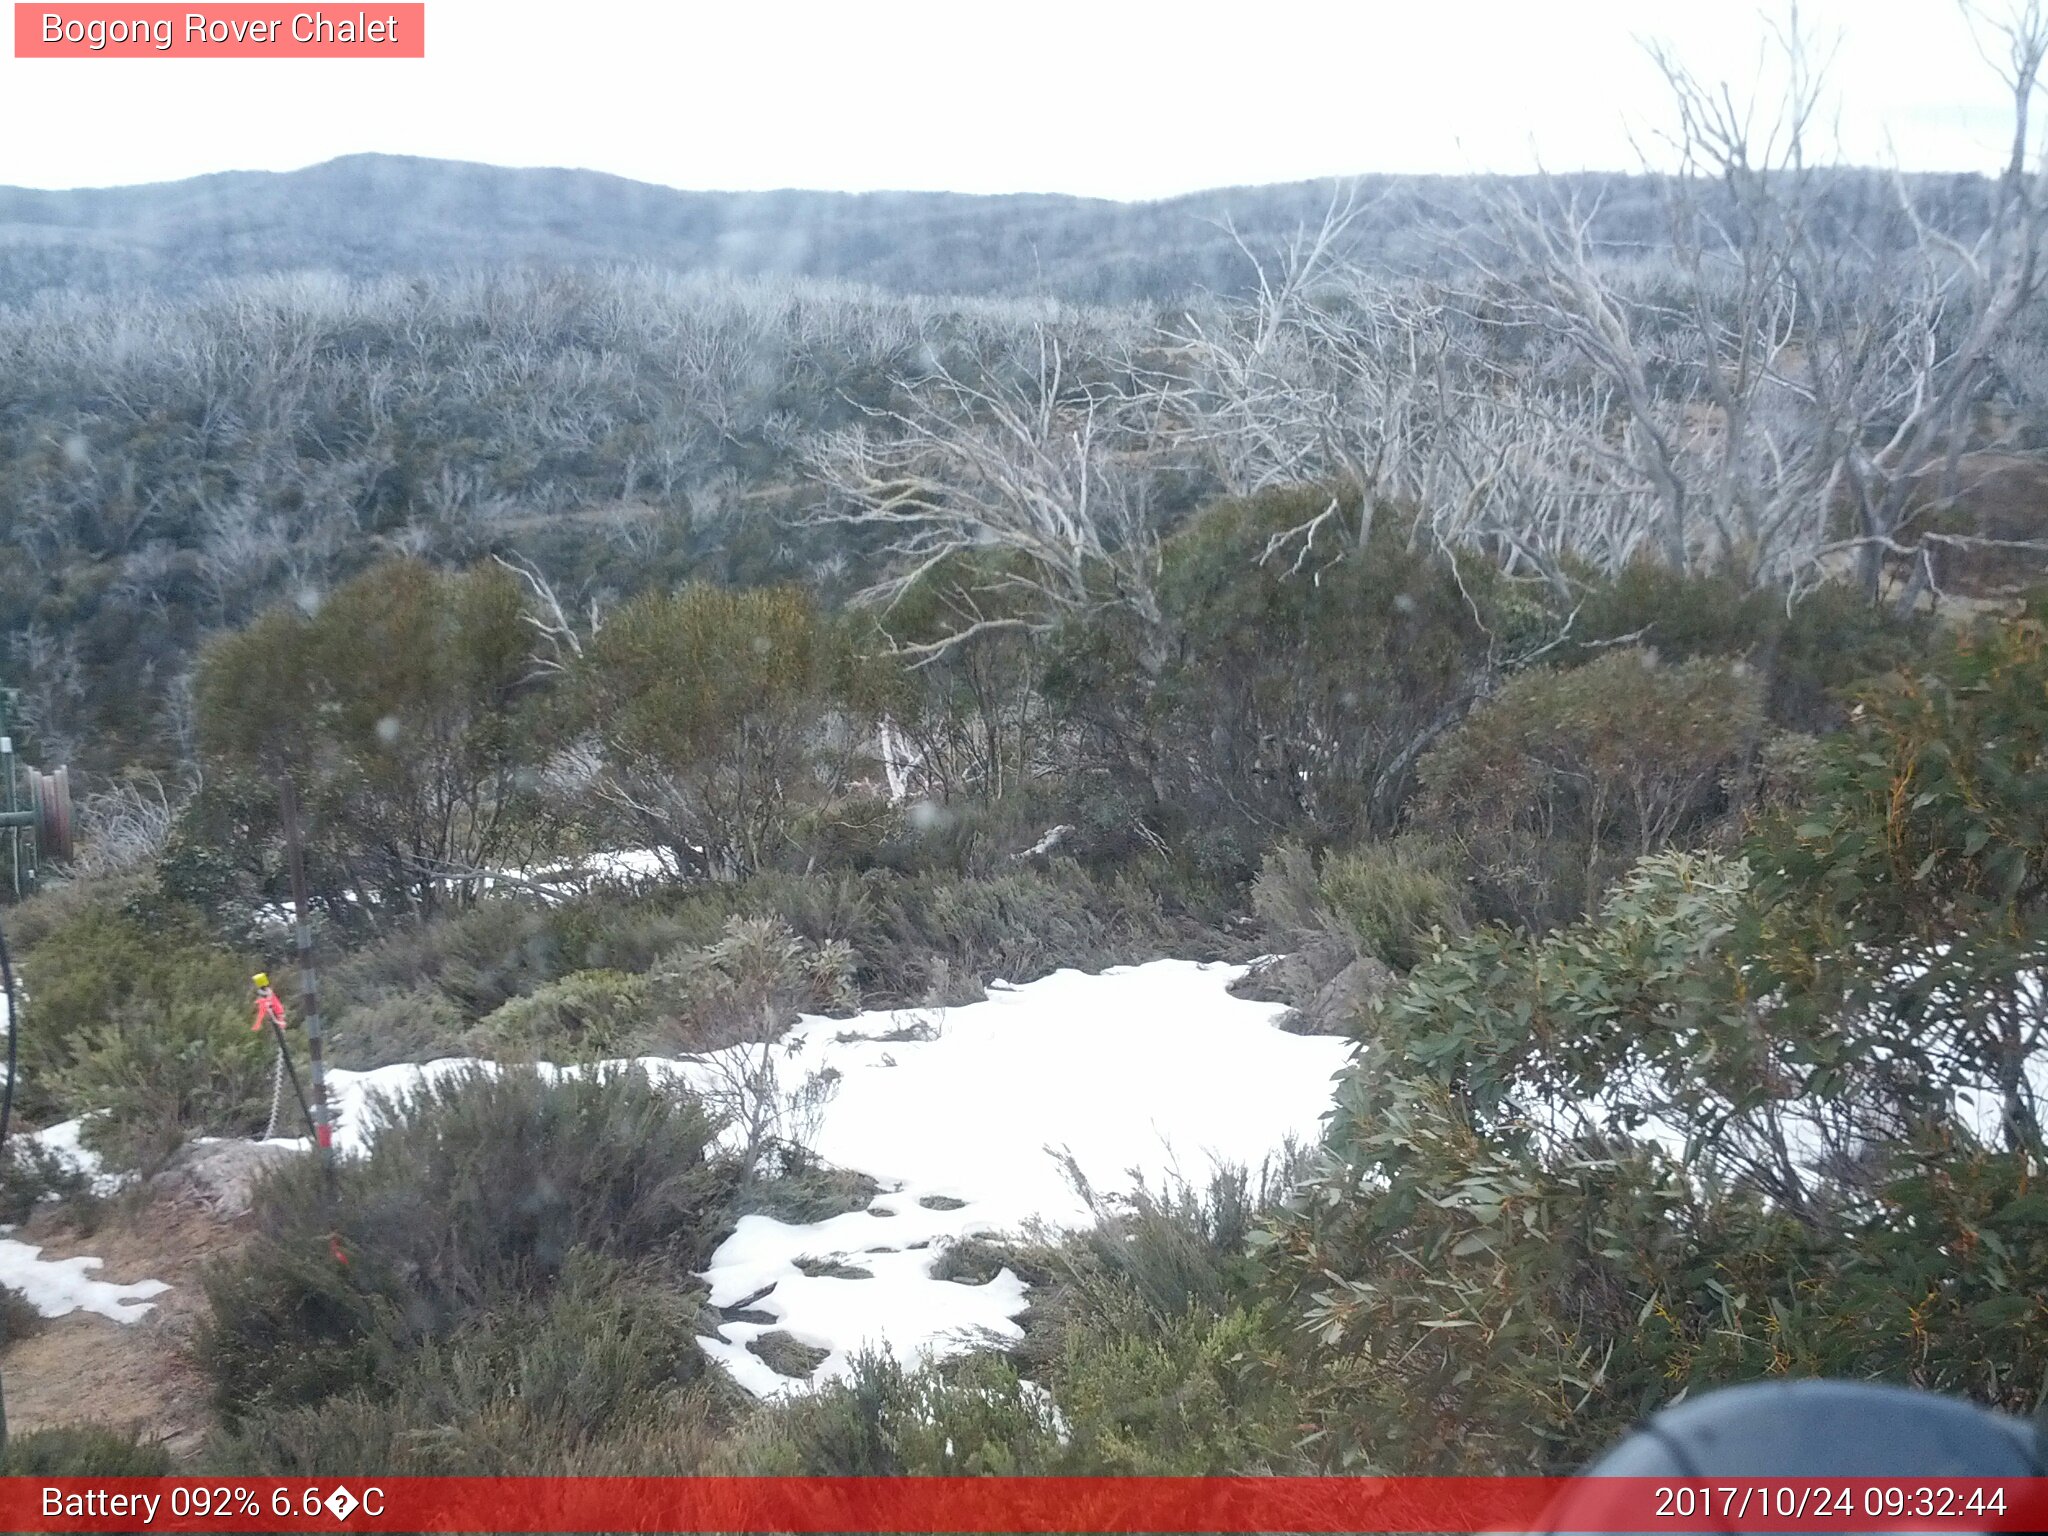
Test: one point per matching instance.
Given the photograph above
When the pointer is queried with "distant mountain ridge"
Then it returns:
(384, 215)
(375, 215)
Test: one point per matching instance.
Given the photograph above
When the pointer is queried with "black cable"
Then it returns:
(13, 1042)
(7, 1108)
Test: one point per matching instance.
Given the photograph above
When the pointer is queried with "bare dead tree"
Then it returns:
(1969, 297)
(1039, 473)
(1323, 374)
(557, 642)
(1781, 374)
(774, 1121)
(123, 826)
(1333, 374)
(51, 690)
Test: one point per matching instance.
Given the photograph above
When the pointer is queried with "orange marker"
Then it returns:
(268, 1006)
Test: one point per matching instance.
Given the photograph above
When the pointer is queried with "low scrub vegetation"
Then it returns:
(1605, 693)
(1635, 916)
(482, 1197)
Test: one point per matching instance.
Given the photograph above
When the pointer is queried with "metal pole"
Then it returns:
(13, 996)
(295, 853)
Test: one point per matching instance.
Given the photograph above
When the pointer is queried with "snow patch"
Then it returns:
(56, 1287)
(64, 1142)
(1138, 1075)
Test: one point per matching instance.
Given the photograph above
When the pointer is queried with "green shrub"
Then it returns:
(1018, 926)
(615, 931)
(786, 1355)
(970, 1261)
(1149, 1261)
(716, 958)
(1806, 656)
(1465, 1247)
(414, 990)
(1786, 773)
(31, 1173)
(849, 832)
(475, 1193)
(968, 836)
(57, 904)
(415, 955)
(1294, 693)
(420, 1024)
(19, 1318)
(112, 971)
(1566, 776)
(538, 1386)
(161, 1076)
(399, 706)
(932, 938)
(499, 950)
(1186, 1395)
(514, 1172)
(750, 985)
(586, 1015)
(1500, 1265)
(827, 908)
(1286, 895)
(810, 1193)
(1153, 1331)
(1910, 927)
(1180, 1246)
(1387, 897)
(1379, 899)
(966, 1417)
(478, 959)
(388, 1433)
(726, 715)
(84, 1450)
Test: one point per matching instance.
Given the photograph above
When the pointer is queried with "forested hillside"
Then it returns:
(173, 464)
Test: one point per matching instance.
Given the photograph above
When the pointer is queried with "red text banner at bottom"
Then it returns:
(928, 1506)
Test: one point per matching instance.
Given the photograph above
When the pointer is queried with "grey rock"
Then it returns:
(220, 1175)
(1295, 979)
(1343, 1001)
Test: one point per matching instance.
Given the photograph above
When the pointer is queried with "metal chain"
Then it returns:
(276, 1094)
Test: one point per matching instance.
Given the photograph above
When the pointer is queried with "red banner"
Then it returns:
(222, 31)
(930, 1505)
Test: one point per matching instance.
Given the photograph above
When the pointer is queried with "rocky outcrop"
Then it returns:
(219, 1175)
(1346, 998)
(1325, 986)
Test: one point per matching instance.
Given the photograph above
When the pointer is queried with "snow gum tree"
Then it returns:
(720, 717)
(396, 706)
(1768, 1115)
(1919, 876)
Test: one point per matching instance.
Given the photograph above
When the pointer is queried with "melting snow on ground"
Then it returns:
(58, 1286)
(1149, 1073)
(55, 1287)
(67, 1145)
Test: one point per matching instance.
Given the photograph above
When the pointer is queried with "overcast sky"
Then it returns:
(1118, 98)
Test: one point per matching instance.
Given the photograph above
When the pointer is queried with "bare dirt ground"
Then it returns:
(85, 1367)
